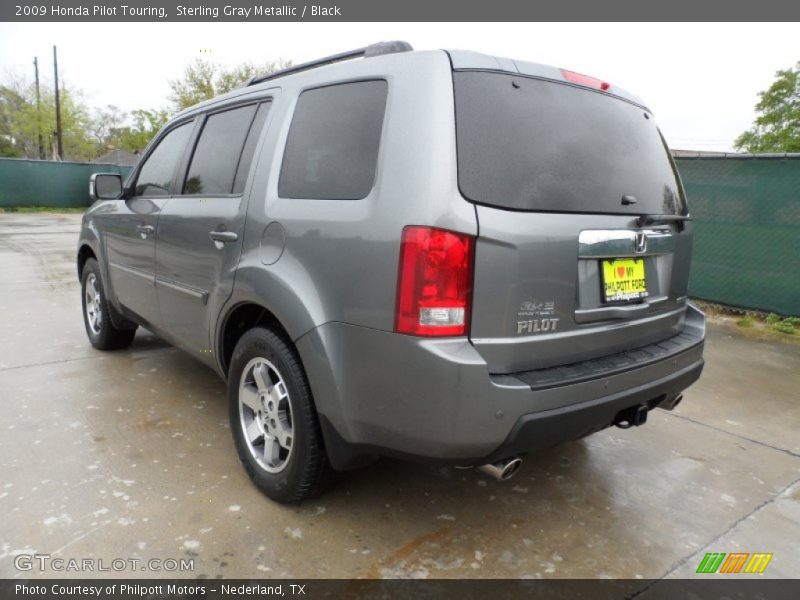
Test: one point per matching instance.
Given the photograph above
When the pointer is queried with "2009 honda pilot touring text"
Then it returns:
(443, 256)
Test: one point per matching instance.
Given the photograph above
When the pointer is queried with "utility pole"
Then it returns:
(59, 144)
(38, 108)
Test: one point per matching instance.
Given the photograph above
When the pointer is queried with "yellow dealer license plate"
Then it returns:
(623, 280)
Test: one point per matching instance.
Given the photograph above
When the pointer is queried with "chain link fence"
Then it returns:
(746, 212)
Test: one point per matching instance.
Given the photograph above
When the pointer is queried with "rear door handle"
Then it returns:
(145, 230)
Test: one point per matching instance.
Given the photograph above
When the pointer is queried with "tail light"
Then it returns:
(585, 80)
(434, 284)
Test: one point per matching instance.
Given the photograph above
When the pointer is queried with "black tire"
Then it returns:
(103, 335)
(306, 471)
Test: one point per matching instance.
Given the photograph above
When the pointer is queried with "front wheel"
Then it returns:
(102, 333)
(273, 420)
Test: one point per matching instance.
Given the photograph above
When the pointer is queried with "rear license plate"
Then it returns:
(623, 280)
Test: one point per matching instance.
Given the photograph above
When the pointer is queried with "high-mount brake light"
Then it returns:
(434, 283)
(585, 80)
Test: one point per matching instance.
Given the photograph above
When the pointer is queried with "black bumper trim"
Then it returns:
(545, 429)
(613, 364)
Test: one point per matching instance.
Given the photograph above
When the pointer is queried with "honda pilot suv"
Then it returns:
(440, 255)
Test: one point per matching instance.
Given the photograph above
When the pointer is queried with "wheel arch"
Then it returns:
(237, 321)
(85, 252)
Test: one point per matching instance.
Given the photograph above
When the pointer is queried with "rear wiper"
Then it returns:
(652, 219)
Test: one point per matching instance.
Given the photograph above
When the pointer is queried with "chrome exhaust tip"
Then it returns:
(502, 470)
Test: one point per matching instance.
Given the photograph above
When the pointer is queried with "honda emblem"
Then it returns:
(640, 244)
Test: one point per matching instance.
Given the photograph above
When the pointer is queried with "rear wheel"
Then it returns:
(102, 332)
(273, 420)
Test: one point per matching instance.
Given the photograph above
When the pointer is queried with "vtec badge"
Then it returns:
(542, 312)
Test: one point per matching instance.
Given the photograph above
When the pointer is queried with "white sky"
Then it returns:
(701, 80)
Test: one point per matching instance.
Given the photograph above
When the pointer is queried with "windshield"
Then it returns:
(529, 144)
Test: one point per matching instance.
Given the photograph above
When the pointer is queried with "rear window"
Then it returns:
(332, 148)
(528, 144)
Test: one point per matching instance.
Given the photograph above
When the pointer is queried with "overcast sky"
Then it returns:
(701, 80)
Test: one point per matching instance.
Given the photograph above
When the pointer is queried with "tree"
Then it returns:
(10, 103)
(75, 124)
(22, 121)
(106, 125)
(112, 128)
(777, 124)
(146, 124)
(202, 80)
(88, 133)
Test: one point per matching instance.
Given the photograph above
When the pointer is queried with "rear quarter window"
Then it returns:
(332, 148)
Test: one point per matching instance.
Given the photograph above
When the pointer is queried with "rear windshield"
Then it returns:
(528, 144)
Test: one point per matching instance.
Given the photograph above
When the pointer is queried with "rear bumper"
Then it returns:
(540, 430)
(381, 393)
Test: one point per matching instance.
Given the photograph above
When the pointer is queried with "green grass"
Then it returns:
(788, 325)
(42, 209)
(784, 327)
(769, 323)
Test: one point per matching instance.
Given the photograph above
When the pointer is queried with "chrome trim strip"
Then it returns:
(521, 340)
(623, 311)
(150, 277)
(617, 243)
(197, 294)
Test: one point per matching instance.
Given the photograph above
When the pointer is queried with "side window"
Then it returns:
(156, 173)
(332, 148)
(218, 156)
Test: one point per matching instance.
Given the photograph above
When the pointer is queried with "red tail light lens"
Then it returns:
(434, 285)
(585, 80)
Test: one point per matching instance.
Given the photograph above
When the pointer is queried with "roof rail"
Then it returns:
(365, 52)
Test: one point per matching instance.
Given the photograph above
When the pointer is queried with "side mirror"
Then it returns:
(105, 186)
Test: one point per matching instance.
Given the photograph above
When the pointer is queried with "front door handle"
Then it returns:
(220, 238)
(223, 236)
(145, 230)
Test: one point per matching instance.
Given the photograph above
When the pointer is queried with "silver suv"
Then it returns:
(440, 255)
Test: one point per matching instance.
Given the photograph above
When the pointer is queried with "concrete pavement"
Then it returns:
(128, 455)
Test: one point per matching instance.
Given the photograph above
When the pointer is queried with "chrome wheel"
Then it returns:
(93, 308)
(265, 414)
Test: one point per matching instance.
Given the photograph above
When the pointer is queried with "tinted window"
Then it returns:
(332, 149)
(216, 155)
(156, 173)
(243, 170)
(538, 145)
